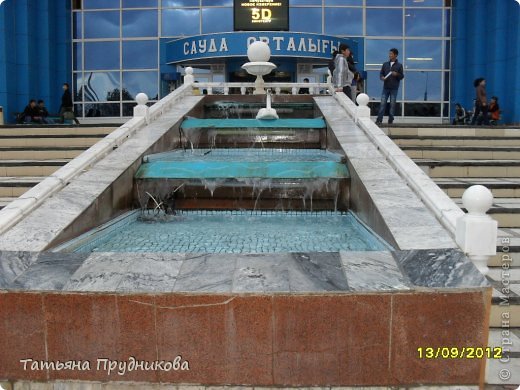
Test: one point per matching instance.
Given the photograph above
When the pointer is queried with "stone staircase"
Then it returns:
(29, 154)
(456, 158)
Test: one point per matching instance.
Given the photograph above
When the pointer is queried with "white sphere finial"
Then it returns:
(141, 99)
(188, 70)
(362, 99)
(259, 51)
(477, 199)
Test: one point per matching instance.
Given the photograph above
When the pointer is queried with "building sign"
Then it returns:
(261, 15)
(282, 44)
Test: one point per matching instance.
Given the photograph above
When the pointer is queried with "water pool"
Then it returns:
(230, 232)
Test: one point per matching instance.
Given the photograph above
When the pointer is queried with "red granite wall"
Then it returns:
(289, 340)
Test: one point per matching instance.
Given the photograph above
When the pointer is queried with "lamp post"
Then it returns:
(425, 86)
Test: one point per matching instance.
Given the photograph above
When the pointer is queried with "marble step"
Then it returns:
(454, 131)
(410, 140)
(62, 130)
(31, 141)
(504, 210)
(9, 168)
(501, 187)
(5, 200)
(44, 153)
(505, 300)
(470, 168)
(509, 340)
(16, 186)
(463, 152)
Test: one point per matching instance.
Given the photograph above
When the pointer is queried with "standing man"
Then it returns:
(480, 102)
(391, 74)
(342, 76)
(67, 107)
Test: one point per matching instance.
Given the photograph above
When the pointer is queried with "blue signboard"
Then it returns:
(235, 44)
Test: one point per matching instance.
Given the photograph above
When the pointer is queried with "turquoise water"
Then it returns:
(291, 123)
(243, 163)
(231, 232)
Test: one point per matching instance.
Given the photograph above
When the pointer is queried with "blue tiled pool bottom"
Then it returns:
(230, 232)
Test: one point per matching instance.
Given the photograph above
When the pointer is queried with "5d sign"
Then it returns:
(261, 15)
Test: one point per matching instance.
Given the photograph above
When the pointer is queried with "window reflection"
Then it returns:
(177, 22)
(137, 82)
(140, 23)
(422, 109)
(384, 22)
(90, 4)
(180, 3)
(133, 57)
(77, 56)
(305, 2)
(305, 19)
(424, 3)
(344, 2)
(228, 3)
(76, 25)
(423, 86)
(423, 22)
(217, 20)
(77, 87)
(102, 86)
(344, 21)
(101, 24)
(377, 51)
(100, 110)
(385, 3)
(101, 55)
(139, 3)
(423, 54)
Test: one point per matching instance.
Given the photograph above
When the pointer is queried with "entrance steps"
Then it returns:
(29, 154)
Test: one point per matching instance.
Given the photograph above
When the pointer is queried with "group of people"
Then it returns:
(36, 112)
(483, 113)
(347, 79)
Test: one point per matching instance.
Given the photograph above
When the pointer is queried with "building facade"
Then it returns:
(110, 50)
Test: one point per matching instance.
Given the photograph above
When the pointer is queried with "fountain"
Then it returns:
(268, 112)
(259, 65)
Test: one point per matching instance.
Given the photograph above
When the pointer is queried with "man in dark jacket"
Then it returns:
(31, 113)
(67, 107)
(391, 74)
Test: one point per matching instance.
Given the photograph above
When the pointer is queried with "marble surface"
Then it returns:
(439, 268)
(408, 219)
(326, 272)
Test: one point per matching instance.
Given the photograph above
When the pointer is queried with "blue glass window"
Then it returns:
(99, 110)
(101, 24)
(77, 87)
(423, 86)
(228, 3)
(377, 51)
(76, 25)
(180, 3)
(100, 4)
(102, 86)
(136, 82)
(447, 23)
(424, 3)
(101, 55)
(177, 22)
(423, 22)
(344, 21)
(423, 54)
(139, 3)
(77, 56)
(305, 19)
(217, 20)
(140, 54)
(358, 3)
(374, 87)
(140, 23)
(385, 3)
(305, 2)
(384, 22)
